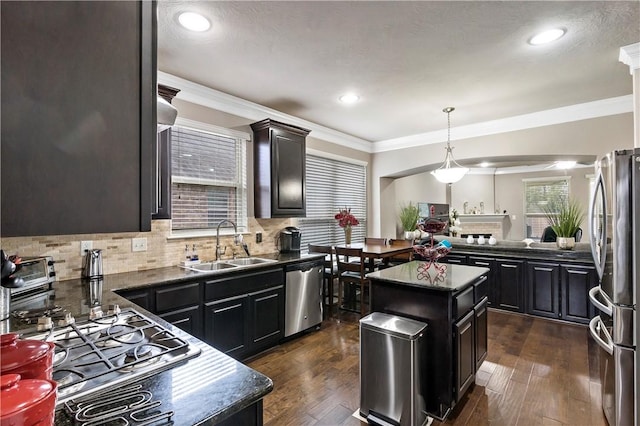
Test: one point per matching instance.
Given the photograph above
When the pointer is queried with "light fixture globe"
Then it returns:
(450, 171)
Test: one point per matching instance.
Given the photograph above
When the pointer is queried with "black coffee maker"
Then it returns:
(290, 239)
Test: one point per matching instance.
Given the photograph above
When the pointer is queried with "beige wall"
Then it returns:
(586, 137)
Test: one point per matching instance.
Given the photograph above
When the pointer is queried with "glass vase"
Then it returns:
(347, 235)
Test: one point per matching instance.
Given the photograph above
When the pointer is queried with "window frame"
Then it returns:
(525, 184)
(242, 217)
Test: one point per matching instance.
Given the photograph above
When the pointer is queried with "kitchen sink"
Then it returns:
(227, 264)
(245, 261)
(210, 266)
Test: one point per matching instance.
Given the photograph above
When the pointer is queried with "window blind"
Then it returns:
(332, 185)
(540, 196)
(208, 179)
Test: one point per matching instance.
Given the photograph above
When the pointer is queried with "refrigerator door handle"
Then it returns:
(598, 240)
(593, 293)
(595, 327)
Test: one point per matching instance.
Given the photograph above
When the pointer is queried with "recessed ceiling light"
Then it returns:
(349, 98)
(547, 36)
(485, 164)
(194, 21)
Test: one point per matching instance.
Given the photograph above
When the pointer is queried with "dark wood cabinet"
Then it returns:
(456, 259)
(487, 262)
(509, 289)
(227, 325)
(141, 298)
(267, 317)
(188, 319)
(244, 314)
(464, 331)
(78, 116)
(575, 283)
(481, 335)
(543, 285)
(279, 169)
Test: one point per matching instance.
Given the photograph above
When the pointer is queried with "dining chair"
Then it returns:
(352, 275)
(330, 271)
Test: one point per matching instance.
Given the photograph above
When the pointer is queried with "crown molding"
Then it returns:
(211, 98)
(630, 55)
(584, 111)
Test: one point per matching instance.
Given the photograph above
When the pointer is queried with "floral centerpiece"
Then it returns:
(346, 220)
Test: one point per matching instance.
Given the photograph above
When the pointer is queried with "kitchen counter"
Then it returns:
(455, 278)
(208, 388)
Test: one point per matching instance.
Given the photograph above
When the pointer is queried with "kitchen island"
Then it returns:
(211, 388)
(453, 304)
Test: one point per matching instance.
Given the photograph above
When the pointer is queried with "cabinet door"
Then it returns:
(575, 283)
(288, 190)
(481, 343)
(510, 285)
(188, 319)
(139, 297)
(267, 317)
(226, 325)
(543, 282)
(170, 298)
(487, 262)
(464, 354)
(78, 116)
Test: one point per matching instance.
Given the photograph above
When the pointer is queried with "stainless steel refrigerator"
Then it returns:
(615, 242)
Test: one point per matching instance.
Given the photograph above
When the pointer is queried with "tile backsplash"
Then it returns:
(117, 255)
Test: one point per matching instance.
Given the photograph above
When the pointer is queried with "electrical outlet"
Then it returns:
(85, 245)
(138, 244)
(258, 237)
(513, 217)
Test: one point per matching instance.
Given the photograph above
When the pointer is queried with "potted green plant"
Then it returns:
(409, 215)
(565, 220)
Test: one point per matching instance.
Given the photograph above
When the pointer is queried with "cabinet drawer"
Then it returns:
(179, 296)
(480, 289)
(463, 302)
(243, 284)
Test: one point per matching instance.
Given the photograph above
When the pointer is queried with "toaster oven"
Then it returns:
(37, 273)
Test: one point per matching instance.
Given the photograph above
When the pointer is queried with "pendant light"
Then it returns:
(450, 171)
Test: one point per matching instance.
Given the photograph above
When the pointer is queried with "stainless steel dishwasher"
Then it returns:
(303, 305)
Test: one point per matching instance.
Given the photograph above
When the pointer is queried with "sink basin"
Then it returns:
(245, 261)
(210, 266)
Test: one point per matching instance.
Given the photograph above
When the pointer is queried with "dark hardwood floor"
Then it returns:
(537, 372)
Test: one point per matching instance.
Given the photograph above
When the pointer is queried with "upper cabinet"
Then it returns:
(78, 116)
(279, 169)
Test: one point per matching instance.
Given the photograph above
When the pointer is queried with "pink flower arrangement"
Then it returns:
(345, 218)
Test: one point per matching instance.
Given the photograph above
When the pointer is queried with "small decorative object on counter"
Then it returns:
(27, 401)
(470, 239)
(492, 240)
(432, 252)
(481, 240)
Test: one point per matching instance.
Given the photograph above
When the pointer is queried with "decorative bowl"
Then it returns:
(432, 226)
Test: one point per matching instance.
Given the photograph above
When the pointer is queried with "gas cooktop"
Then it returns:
(104, 352)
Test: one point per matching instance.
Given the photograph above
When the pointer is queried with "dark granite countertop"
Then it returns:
(208, 388)
(518, 249)
(455, 278)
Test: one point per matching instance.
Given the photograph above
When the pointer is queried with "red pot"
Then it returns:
(27, 402)
(32, 359)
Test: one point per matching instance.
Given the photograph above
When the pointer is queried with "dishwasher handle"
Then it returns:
(303, 267)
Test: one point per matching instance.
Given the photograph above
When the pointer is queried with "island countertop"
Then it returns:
(454, 278)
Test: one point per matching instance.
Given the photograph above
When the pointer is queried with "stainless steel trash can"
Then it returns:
(392, 370)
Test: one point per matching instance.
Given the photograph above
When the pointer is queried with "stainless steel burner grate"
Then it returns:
(112, 350)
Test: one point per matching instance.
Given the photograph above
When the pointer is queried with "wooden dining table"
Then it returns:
(378, 251)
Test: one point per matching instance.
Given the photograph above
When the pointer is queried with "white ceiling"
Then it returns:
(407, 60)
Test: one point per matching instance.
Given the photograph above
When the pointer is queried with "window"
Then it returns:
(333, 184)
(541, 195)
(208, 172)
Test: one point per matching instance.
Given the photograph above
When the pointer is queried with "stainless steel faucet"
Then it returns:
(219, 252)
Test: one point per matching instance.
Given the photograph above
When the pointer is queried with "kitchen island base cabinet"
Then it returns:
(457, 326)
